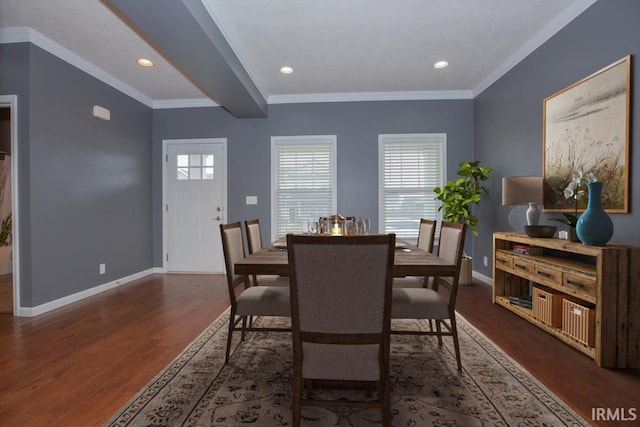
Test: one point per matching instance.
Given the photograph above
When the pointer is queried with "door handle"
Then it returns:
(217, 218)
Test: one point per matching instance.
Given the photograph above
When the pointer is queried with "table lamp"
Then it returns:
(523, 190)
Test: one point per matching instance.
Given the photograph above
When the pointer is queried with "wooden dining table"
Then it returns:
(409, 260)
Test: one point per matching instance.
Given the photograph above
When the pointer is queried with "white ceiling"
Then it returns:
(340, 49)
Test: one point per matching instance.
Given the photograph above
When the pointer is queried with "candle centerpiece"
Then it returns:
(337, 225)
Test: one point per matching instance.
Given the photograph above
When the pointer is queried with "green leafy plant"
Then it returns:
(5, 231)
(459, 196)
(575, 190)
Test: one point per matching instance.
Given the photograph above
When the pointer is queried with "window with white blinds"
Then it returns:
(411, 166)
(303, 181)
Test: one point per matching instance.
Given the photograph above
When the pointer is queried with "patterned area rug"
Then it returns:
(255, 387)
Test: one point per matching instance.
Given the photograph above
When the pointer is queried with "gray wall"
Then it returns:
(356, 124)
(508, 115)
(90, 191)
(85, 184)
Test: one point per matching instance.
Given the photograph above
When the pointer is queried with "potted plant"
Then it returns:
(458, 198)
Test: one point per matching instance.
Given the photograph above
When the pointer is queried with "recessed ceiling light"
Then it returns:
(441, 64)
(145, 62)
(286, 70)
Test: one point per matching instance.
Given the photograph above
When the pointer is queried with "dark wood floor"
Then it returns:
(78, 365)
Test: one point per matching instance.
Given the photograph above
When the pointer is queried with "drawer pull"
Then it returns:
(543, 273)
(520, 266)
(575, 283)
(502, 261)
(544, 297)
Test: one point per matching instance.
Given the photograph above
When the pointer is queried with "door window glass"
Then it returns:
(194, 166)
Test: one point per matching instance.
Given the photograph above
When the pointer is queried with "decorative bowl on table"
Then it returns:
(540, 230)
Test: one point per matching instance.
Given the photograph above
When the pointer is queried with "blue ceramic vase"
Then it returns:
(594, 225)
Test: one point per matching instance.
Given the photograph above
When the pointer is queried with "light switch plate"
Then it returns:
(252, 200)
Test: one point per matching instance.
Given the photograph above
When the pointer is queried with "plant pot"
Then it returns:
(6, 259)
(573, 237)
(466, 271)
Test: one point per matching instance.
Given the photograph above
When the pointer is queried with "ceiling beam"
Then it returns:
(185, 34)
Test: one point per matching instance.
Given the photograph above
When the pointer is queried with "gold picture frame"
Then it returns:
(586, 129)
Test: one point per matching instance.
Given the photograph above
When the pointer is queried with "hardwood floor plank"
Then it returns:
(571, 375)
(78, 365)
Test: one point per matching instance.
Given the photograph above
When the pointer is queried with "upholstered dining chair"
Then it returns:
(426, 237)
(254, 243)
(340, 306)
(432, 303)
(252, 300)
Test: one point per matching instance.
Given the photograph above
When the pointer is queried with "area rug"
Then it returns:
(254, 388)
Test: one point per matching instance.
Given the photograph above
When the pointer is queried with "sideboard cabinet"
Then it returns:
(587, 296)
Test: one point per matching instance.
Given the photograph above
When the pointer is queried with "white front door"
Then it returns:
(195, 183)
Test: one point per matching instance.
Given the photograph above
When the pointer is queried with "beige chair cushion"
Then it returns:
(272, 280)
(341, 362)
(408, 282)
(410, 303)
(264, 301)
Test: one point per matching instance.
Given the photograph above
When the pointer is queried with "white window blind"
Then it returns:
(303, 181)
(411, 166)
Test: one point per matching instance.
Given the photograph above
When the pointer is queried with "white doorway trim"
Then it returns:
(165, 143)
(11, 101)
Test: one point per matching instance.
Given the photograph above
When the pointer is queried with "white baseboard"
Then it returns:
(44, 308)
(53, 305)
(485, 279)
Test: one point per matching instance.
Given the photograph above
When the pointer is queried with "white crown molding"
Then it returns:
(183, 103)
(26, 34)
(560, 21)
(371, 96)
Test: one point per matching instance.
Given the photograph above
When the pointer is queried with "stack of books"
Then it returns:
(527, 250)
(521, 300)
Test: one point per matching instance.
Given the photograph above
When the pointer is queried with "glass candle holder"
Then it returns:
(337, 225)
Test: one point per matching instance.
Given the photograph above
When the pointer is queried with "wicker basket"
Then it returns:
(578, 322)
(547, 306)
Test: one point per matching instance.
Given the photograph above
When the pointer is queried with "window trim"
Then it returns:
(298, 139)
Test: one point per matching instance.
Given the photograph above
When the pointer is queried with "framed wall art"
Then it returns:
(586, 129)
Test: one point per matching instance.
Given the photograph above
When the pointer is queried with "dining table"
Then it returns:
(409, 260)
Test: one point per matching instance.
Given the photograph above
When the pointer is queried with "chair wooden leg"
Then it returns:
(232, 319)
(439, 332)
(244, 327)
(296, 407)
(385, 397)
(309, 384)
(456, 344)
(386, 408)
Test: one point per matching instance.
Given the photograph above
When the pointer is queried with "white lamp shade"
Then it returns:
(521, 190)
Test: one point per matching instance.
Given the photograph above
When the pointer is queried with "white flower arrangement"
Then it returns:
(575, 190)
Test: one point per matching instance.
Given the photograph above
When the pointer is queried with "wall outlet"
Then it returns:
(486, 261)
(103, 268)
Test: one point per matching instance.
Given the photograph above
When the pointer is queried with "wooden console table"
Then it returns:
(602, 281)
